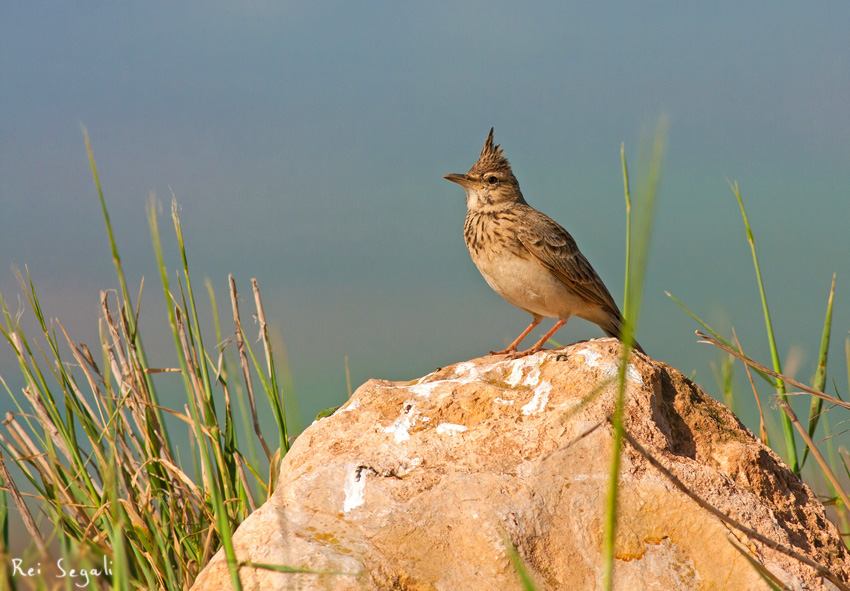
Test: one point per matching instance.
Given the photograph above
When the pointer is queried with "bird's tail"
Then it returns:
(613, 327)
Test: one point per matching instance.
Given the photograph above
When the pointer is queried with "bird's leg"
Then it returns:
(512, 347)
(539, 344)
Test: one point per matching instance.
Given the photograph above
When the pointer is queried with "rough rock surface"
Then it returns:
(418, 485)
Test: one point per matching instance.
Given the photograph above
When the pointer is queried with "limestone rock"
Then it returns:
(419, 485)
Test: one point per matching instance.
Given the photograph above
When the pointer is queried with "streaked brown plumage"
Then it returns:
(527, 257)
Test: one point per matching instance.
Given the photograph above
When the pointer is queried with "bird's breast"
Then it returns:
(491, 234)
(511, 271)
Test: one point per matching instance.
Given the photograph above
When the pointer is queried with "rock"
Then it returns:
(419, 485)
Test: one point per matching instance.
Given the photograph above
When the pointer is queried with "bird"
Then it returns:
(527, 257)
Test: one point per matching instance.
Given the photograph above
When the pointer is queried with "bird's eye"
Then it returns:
(492, 180)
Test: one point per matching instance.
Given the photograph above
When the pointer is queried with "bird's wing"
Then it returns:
(555, 249)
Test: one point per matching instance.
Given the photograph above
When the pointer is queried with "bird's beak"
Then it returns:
(462, 180)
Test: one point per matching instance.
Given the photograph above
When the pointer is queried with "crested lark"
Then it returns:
(526, 257)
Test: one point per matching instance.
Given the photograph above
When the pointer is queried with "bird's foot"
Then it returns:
(508, 351)
(521, 354)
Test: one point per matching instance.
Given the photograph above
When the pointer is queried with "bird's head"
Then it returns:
(490, 182)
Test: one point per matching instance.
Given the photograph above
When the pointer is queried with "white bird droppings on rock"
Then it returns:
(425, 389)
(465, 373)
(592, 357)
(354, 487)
(633, 375)
(351, 405)
(539, 400)
(518, 366)
(401, 426)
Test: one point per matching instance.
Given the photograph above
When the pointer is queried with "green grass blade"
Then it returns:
(787, 429)
(224, 463)
(819, 381)
(627, 281)
(278, 406)
(214, 490)
(520, 568)
(282, 568)
(717, 336)
(153, 223)
(116, 258)
(631, 310)
(125, 294)
(275, 402)
(178, 228)
(5, 571)
(231, 445)
(699, 320)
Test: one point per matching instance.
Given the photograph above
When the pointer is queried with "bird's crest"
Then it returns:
(492, 158)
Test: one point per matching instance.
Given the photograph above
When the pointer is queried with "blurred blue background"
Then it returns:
(306, 145)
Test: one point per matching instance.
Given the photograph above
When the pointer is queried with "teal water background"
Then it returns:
(306, 145)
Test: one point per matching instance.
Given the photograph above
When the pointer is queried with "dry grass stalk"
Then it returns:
(29, 522)
(264, 328)
(770, 372)
(243, 361)
(815, 452)
(762, 428)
